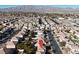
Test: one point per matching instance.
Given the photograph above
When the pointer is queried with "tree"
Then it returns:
(27, 46)
(63, 43)
(40, 21)
(1, 26)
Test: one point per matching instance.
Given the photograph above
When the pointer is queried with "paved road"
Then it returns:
(54, 43)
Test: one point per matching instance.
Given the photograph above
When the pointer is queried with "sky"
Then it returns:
(59, 6)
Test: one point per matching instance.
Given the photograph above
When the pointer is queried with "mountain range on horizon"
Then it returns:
(39, 8)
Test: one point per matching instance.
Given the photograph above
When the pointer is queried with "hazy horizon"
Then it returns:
(57, 6)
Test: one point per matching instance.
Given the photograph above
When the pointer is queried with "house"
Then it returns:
(2, 51)
(10, 48)
(14, 40)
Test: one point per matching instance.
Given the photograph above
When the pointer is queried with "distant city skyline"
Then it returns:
(58, 6)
